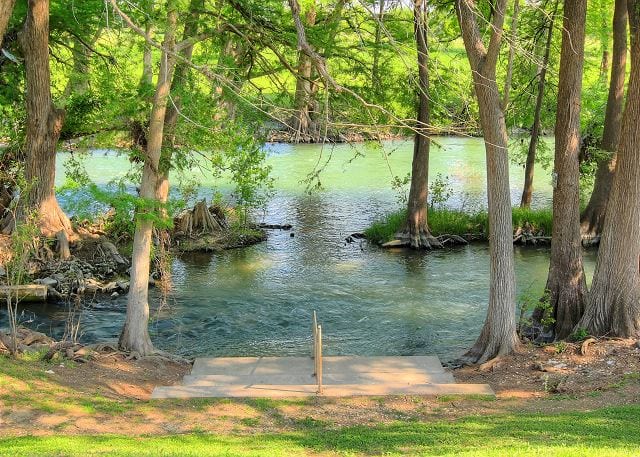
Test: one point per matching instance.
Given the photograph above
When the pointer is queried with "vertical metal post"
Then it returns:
(319, 360)
(314, 329)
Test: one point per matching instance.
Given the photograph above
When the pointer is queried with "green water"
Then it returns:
(258, 300)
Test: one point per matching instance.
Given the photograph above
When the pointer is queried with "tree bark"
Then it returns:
(512, 53)
(44, 123)
(498, 335)
(6, 8)
(566, 281)
(303, 123)
(527, 190)
(146, 79)
(135, 333)
(613, 308)
(375, 67)
(417, 229)
(173, 110)
(592, 218)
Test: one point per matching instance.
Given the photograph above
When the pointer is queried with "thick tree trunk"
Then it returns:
(513, 36)
(6, 8)
(135, 333)
(613, 308)
(44, 123)
(592, 218)
(527, 190)
(498, 335)
(417, 229)
(303, 123)
(566, 281)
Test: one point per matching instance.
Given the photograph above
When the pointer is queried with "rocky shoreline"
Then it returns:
(95, 264)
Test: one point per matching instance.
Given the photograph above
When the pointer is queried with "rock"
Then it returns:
(123, 285)
(35, 337)
(2, 272)
(110, 287)
(50, 372)
(115, 295)
(48, 281)
(92, 286)
(111, 249)
(69, 353)
(638, 344)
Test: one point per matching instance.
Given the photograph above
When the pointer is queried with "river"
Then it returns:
(258, 300)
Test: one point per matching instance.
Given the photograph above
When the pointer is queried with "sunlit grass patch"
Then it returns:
(610, 431)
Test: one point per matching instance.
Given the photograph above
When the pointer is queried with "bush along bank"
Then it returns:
(531, 227)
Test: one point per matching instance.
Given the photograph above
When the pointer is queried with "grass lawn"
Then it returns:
(604, 432)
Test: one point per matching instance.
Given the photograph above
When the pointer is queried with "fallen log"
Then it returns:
(28, 293)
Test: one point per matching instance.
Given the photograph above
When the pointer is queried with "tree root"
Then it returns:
(200, 220)
(489, 365)
(424, 240)
(584, 348)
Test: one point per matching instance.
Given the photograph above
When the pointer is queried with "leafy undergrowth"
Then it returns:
(456, 222)
(609, 431)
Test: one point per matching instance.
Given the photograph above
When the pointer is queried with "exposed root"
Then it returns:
(584, 348)
(490, 364)
(200, 220)
(424, 240)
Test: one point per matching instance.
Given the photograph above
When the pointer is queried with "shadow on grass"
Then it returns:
(611, 432)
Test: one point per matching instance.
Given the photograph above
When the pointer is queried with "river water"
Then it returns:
(258, 300)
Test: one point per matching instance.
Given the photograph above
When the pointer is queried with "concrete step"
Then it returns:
(330, 378)
(244, 366)
(307, 390)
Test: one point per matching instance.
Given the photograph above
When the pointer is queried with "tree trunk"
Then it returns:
(527, 191)
(147, 59)
(233, 62)
(44, 123)
(6, 8)
(592, 219)
(417, 229)
(78, 82)
(135, 333)
(375, 67)
(303, 124)
(613, 308)
(512, 53)
(498, 335)
(173, 110)
(566, 281)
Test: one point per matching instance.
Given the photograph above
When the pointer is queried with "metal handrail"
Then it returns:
(317, 351)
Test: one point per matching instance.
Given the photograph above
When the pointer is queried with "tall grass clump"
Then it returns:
(445, 221)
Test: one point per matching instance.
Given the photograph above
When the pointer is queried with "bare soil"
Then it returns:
(111, 394)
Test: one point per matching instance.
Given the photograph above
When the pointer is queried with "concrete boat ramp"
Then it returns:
(342, 376)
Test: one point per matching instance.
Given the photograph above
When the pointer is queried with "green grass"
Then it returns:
(604, 432)
(455, 222)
